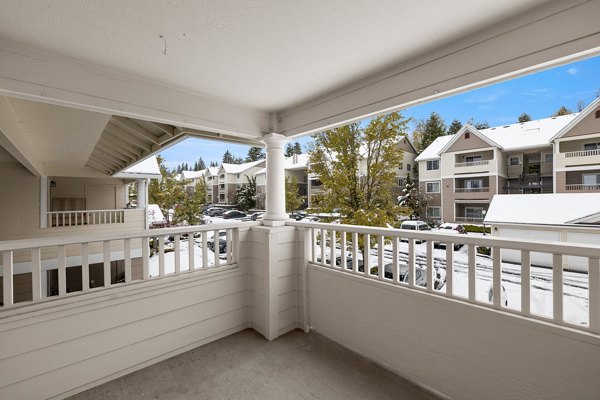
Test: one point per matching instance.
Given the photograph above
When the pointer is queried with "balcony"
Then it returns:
(472, 190)
(279, 279)
(582, 188)
(477, 220)
(584, 153)
(471, 164)
(88, 217)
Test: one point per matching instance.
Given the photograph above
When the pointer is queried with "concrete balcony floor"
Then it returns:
(246, 366)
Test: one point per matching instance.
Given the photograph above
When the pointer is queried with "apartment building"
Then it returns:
(461, 173)
(295, 166)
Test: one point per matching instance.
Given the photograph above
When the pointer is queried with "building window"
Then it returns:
(467, 135)
(222, 186)
(401, 182)
(238, 176)
(548, 157)
(514, 160)
(433, 165)
(408, 167)
(474, 183)
(433, 212)
(591, 146)
(590, 179)
(474, 212)
(401, 166)
(473, 158)
(432, 187)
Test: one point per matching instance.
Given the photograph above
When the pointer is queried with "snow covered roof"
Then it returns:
(145, 169)
(544, 209)
(238, 168)
(432, 151)
(301, 163)
(212, 171)
(591, 107)
(193, 174)
(528, 134)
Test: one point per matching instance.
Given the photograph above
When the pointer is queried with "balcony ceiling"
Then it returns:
(244, 69)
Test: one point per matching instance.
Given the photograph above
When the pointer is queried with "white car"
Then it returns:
(448, 228)
(415, 226)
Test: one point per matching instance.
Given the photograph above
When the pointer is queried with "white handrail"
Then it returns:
(471, 163)
(582, 153)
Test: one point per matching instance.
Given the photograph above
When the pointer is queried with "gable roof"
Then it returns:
(544, 209)
(146, 169)
(192, 174)
(591, 107)
(238, 168)
(290, 165)
(432, 152)
(472, 130)
(212, 171)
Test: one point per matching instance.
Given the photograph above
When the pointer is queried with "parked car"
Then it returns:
(350, 263)
(234, 214)
(215, 212)
(257, 216)
(390, 275)
(454, 229)
(504, 297)
(421, 278)
(210, 243)
(415, 226)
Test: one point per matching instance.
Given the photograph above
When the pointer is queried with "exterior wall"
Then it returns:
(447, 211)
(561, 181)
(501, 357)
(425, 175)
(77, 188)
(449, 160)
(590, 124)
(472, 143)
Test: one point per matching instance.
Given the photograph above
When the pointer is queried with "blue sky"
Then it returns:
(539, 95)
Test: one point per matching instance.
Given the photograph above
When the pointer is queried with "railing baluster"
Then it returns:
(594, 293)
(69, 219)
(472, 271)
(191, 250)
(204, 250)
(332, 240)
(127, 255)
(525, 282)
(36, 274)
(497, 276)
(7, 278)
(313, 239)
(449, 269)
(381, 267)
(107, 274)
(430, 269)
(161, 255)
(145, 257)
(395, 264)
(343, 252)
(235, 246)
(355, 252)
(228, 248)
(557, 287)
(85, 267)
(323, 247)
(367, 254)
(217, 248)
(62, 270)
(177, 254)
(411, 262)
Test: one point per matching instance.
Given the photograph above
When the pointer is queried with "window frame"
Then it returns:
(432, 163)
(439, 212)
(439, 186)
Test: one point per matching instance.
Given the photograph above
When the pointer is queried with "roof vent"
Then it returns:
(597, 113)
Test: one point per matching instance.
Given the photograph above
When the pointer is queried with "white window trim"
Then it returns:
(439, 186)
(439, 211)
(594, 143)
(432, 161)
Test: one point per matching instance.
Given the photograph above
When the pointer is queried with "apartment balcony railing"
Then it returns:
(85, 217)
(469, 219)
(583, 153)
(472, 190)
(471, 163)
(581, 187)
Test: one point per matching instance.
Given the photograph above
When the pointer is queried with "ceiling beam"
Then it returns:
(114, 152)
(554, 33)
(108, 158)
(15, 140)
(105, 164)
(120, 134)
(93, 164)
(166, 129)
(135, 129)
(119, 145)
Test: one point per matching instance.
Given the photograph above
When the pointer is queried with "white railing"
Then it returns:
(205, 253)
(469, 219)
(582, 187)
(463, 281)
(471, 163)
(583, 153)
(85, 217)
(472, 190)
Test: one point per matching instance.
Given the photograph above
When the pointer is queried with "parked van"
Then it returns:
(415, 226)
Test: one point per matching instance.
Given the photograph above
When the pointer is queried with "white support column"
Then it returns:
(275, 191)
(43, 202)
(142, 198)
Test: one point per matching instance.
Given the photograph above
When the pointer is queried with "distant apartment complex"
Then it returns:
(462, 172)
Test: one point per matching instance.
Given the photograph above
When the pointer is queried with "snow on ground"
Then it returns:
(575, 285)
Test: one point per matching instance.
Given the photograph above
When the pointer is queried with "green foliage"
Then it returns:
(484, 250)
(190, 207)
(214, 164)
(229, 158)
(292, 149)
(562, 111)
(255, 154)
(429, 130)
(478, 125)
(293, 200)
(357, 169)
(413, 201)
(454, 127)
(524, 117)
(245, 196)
(477, 229)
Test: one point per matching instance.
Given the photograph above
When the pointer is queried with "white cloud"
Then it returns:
(486, 98)
(572, 71)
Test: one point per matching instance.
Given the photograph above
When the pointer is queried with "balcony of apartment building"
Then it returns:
(577, 152)
(473, 188)
(474, 162)
(436, 317)
(582, 181)
(470, 211)
(529, 173)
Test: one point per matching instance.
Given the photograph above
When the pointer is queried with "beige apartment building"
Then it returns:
(461, 173)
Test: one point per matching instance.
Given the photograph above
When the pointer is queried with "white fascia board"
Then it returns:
(552, 34)
(40, 76)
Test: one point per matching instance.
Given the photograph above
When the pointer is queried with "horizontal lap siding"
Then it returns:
(69, 348)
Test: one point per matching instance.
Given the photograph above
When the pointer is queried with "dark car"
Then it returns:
(234, 214)
(210, 243)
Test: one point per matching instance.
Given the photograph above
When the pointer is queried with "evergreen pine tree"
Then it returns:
(454, 127)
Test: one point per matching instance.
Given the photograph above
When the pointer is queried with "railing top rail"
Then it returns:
(90, 211)
(574, 249)
(23, 244)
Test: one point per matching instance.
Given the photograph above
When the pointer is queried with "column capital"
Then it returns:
(274, 140)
